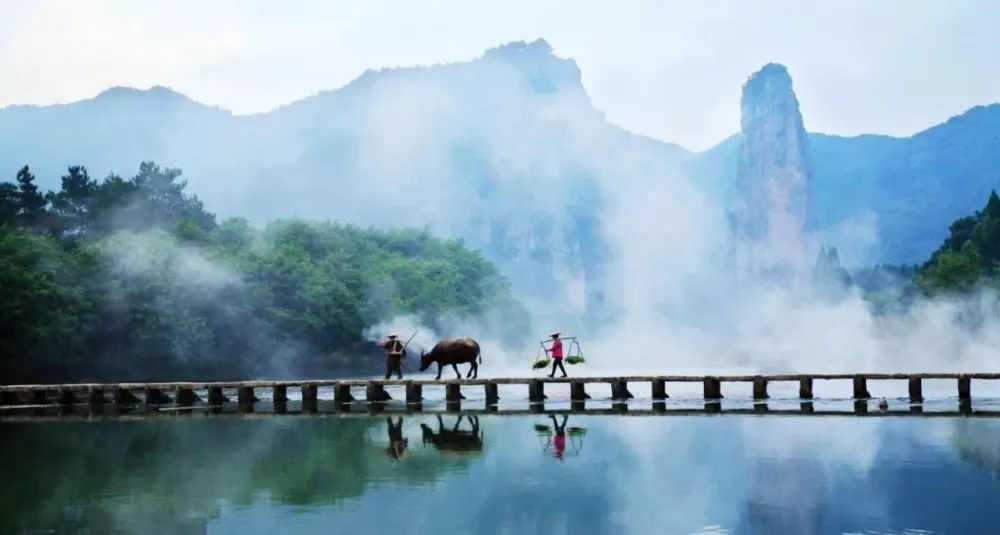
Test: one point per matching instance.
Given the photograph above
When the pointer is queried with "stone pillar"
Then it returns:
(760, 387)
(215, 396)
(578, 391)
(916, 390)
(279, 393)
(619, 390)
(186, 397)
(659, 388)
(342, 393)
(861, 387)
(659, 406)
(39, 397)
(964, 388)
(453, 392)
(244, 395)
(96, 396)
(155, 396)
(713, 408)
(760, 407)
(414, 392)
(712, 388)
(375, 392)
(860, 407)
(66, 397)
(806, 407)
(123, 397)
(310, 393)
(536, 390)
(806, 388)
(577, 405)
(9, 398)
(492, 393)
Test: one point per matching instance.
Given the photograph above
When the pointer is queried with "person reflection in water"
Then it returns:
(559, 442)
(397, 444)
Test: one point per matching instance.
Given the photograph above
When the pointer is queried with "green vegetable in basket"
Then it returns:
(575, 359)
(539, 364)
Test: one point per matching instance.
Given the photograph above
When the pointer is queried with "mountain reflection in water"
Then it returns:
(486, 474)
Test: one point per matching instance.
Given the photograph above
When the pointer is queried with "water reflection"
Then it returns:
(397, 442)
(502, 474)
(455, 441)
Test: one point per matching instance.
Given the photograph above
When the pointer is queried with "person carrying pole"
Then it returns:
(394, 359)
(556, 351)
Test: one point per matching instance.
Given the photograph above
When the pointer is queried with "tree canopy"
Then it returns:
(132, 279)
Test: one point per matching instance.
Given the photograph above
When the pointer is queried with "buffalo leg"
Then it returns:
(458, 374)
(438, 378)
(473, 370)
(440, 424)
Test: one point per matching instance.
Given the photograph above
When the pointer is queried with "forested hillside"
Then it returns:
(132, 279)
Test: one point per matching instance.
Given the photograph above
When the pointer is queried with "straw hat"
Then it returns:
(392, 337)
(555, 334)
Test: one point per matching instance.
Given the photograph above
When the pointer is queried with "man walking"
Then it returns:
(557, 355)
(396, 354)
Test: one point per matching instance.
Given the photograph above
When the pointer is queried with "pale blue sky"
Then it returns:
(669, 69)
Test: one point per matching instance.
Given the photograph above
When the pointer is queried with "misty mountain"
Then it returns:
(893, 196)
(505, 151)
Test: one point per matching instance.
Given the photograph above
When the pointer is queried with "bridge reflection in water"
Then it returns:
(856, 408)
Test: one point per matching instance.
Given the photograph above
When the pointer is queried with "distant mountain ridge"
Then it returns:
(470, 148)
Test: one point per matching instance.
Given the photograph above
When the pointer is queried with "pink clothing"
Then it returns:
(557, 352)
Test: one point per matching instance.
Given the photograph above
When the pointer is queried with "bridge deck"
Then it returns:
(83, 387)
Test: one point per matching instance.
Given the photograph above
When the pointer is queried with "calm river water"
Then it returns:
(740, 474)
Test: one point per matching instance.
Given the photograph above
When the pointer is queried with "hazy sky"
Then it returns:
(669, 69)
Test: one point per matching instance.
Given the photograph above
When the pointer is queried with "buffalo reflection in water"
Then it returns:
(455, 441)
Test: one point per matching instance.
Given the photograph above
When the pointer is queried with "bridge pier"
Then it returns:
(806, 388)
(492, 392)
(341, 393)
(712, 388)
(578, 391)
(310, 393)
(186, 397)
(964, 388)
(916, 389)
(861, 387)
(375, 392)
(453, 392)
(155, 396)
(279, 393)
(619, 390)
(760, 387)
(659, 389)
(414, 392)
(216, 396)
(39, 397)
(9, 398)
(245, 395)
(66, 397)
(124, 397)
(95, 397)
(536, 390)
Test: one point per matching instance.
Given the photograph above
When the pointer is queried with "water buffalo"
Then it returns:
(454, 441)
(453, 351)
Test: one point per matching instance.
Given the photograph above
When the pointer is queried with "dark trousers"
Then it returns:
(557, 363)
(394, 363)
